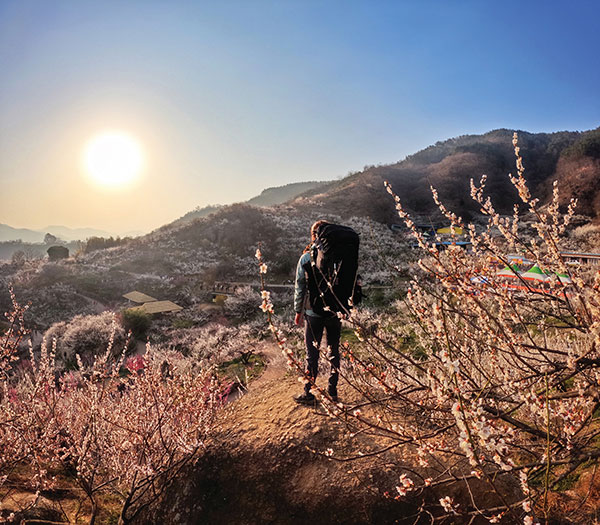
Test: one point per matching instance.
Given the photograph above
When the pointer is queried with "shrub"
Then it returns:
(55, 253)
(86, 336)
(18, 258)
(137, 322)
(242, 305)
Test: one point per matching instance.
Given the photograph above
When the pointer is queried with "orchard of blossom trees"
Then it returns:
(124, 427)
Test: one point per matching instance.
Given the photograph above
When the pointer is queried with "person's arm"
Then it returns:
(299, 291)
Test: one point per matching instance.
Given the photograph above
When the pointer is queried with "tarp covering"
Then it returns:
(448, 230)
(159, 307)
(139, 297)
(535, 273)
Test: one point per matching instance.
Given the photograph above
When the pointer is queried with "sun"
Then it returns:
(113, 158)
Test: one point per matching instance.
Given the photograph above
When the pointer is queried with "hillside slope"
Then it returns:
(570, 157)
(266, 464)
(281, 194)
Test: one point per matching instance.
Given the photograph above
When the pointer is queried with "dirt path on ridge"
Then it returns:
(266, 465)
(276, 366)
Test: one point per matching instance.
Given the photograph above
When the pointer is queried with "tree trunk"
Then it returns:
(94, 510)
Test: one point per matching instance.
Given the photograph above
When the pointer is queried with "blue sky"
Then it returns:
(230, 97)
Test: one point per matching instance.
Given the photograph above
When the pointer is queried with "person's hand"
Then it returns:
(299, 319)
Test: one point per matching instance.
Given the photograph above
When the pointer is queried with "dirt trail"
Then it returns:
(266, 464)
(276, 366)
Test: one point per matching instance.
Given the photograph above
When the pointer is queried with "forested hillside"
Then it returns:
(570, 157)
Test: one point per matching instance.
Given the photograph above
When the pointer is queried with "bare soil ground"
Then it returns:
(266, 464)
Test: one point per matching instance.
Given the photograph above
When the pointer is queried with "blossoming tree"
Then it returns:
(488, 382)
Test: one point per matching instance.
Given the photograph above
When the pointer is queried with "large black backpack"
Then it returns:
(333, 269)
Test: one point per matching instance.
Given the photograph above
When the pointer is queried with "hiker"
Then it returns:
(336, 247)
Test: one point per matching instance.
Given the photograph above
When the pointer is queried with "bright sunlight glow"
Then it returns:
(113, 158)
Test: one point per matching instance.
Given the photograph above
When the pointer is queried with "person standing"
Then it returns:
(316, 324)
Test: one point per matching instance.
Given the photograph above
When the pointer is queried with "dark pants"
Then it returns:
(314, 334)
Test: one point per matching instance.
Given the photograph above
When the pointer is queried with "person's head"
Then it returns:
(314, 229)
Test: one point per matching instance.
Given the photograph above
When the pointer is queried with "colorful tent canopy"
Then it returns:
(535, 273)
(512, 271)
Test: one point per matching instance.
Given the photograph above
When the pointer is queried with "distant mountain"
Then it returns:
(197, 213)
(8, 233)
(281, 194)
(76, 234)
(572, 158)
(269, 197)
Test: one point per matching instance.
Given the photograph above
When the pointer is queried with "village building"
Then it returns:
(581, 258)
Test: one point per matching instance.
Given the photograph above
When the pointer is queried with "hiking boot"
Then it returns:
(305, 399)
(333, 394)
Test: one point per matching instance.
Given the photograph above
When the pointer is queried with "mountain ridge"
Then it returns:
(64, 233)
(281, 194)
(449, 165)
(271, 196)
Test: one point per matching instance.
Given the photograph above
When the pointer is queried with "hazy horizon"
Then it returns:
(225, 100)
(49, 228)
